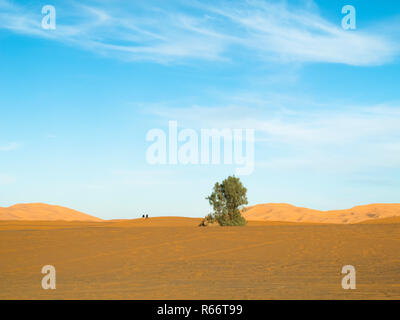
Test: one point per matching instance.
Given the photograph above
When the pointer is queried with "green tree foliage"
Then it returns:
(227, 199)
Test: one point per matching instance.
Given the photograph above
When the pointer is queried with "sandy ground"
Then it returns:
(172, 258)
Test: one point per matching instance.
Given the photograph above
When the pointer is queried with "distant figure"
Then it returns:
(142, 216)
(147, 216)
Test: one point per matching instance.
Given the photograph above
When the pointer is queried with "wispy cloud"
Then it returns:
(177, 32)
(309, 135)
(284, 33)
(9, 146)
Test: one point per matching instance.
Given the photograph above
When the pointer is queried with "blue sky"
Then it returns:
(76, 102)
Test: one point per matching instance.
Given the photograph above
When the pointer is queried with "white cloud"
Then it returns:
(9, 146)
(262, 30)
(292, 126)
(306, 136)
(284, 33)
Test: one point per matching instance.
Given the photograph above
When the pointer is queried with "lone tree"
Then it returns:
(227, 199)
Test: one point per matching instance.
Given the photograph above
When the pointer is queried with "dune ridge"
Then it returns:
(289, 213)
(43, 212)
(261, 213)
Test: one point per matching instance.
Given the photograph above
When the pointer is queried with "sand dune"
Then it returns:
(290, 213)
(270, 212)
(43, 212)
(390, 220)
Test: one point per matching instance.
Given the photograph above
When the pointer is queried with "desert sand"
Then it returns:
(290, 213)
(173, 258)
(43, 212)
